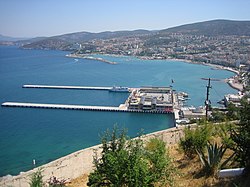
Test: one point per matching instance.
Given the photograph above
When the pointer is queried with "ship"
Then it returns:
(119, 89)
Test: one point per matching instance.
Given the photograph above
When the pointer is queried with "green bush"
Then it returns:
(212, 162)
(126, 162)
(223, 131)
(36, 179)
(233, 112)
(195, 139)
(241, 137)
(217, 116)
(161, 166)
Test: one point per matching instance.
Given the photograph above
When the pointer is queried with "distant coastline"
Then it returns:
(231, 81)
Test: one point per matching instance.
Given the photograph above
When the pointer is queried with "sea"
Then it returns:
(47, 134)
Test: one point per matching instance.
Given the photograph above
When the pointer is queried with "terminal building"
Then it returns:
(152, 98)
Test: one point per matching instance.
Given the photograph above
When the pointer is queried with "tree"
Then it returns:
(217, 116)
(232, 112)
(126, 162)
(241, 136)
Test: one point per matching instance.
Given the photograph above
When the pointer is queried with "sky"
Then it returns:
(33, 18)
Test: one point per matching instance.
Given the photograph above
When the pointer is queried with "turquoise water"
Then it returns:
(45, 135)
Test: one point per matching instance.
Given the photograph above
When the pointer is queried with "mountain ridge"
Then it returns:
(210, 28)
(11, 39)
(213, 28)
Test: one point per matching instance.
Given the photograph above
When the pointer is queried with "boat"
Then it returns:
(183, 94)
(119, 89)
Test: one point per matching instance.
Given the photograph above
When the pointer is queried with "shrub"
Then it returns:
(161, 167)
(223, 131)
(194, 139)
(233, 112)
(126, 162)
(36, 179)
(217, 116)
(55, 182)
(241, 137)
(212, 163)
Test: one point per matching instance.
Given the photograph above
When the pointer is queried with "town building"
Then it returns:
(152, 98)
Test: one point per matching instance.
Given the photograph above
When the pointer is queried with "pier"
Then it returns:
(79, 107)
(66, 87)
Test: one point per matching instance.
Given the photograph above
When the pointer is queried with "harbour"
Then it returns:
(159, 100)
(48, 134)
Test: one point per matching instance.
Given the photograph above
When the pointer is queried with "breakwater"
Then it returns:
(66, 87)
(90, 58)
(80, 107)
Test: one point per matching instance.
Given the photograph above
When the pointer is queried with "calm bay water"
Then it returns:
(44, 135)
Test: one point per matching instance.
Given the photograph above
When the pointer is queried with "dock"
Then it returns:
(66, 87)
(79, 107)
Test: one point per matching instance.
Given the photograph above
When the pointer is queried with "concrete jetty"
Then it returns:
(66, 87)
(79, 107)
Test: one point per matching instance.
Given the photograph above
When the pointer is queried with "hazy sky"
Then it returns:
(30, 18)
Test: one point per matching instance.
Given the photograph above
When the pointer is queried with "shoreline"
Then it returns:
(60, 165)
(81, 162)
(230, 80)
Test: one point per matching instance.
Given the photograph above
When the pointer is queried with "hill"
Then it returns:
(10, 39)
(206, 28)
(213, 28)
(63, 42)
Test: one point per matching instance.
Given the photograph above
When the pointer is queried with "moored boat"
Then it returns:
(119, 89)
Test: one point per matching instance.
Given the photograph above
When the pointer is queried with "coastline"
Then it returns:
(231, 81)
(63, 164)
(81, 162)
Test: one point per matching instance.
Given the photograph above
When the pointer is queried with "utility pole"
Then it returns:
(207, 102)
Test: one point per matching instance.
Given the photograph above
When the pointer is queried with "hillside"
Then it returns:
(147, 38)
(63, 42)
(213, 28)
(10, 39)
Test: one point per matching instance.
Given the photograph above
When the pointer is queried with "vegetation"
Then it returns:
(233, 112)
(218, 116)
(126, 162)
(36, 179)
(161, 168)
(195, 139)
(222, 131)
(55, 182)
(241, 137)
(212, 163)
